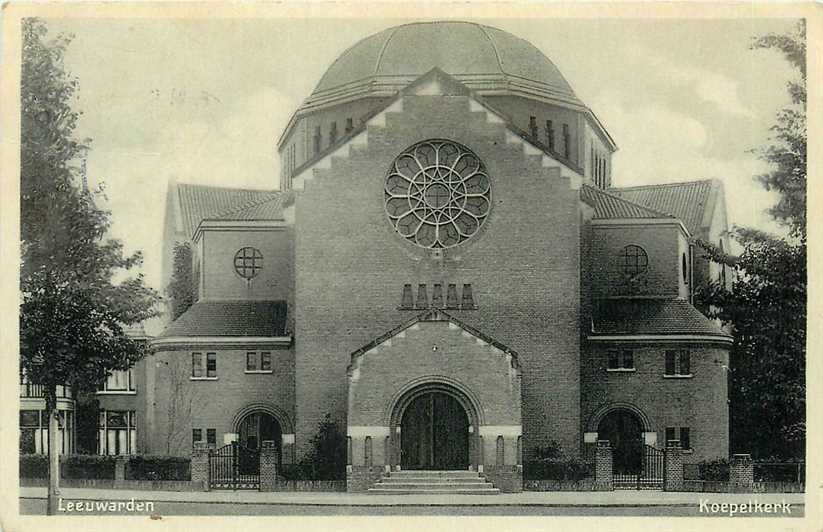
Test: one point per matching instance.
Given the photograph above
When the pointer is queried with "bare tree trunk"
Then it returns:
(53, 451)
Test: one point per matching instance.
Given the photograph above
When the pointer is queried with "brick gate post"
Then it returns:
(119, 471)
(268, 466)
(200, 464)
(603, 474)
(741, 473)
(673, 467)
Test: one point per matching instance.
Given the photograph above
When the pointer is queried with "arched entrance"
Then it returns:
(624, 430)
(256, 427)
(434, 432)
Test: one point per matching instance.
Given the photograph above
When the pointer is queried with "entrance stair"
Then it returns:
(434, 482)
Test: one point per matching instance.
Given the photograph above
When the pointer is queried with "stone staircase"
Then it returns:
(434, 482)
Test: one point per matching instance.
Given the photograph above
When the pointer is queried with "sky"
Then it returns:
(204, 101)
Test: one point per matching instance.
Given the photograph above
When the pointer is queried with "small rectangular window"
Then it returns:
(550, 134)
(567, 148)
(685, 363)
(670, 363)
(197, 365)
(211, 364)
(211, 436)
(614, 361)
(251, 361)
(333, 134)
(349, 125)
(265, 361)
(196, 435)
(671, 434)
(685, 439)
(318, 139)
(533, 127)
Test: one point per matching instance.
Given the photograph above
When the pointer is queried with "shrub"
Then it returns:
(714, 470)
(89, 466)
(149, 467)
(34, 466)
(327, 458)
(564, 469)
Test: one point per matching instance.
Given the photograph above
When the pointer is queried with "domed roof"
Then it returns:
(480, 56)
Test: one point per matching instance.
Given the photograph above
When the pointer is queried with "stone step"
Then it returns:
(434, 480)
(383, 490)
(434, 485)
(430, 473)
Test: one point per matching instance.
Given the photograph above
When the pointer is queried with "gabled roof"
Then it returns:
(230, 318)
(688, 201)
(433, 315)
(610, 207)
(651, 317)
(198, 202)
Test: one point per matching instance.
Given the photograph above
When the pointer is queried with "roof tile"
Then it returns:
(687, 201)
(230, 318)
(198, 202)
(608, 206)
(651, 316)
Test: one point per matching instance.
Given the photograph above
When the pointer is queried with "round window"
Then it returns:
(248, 262)
(635, 261)
(437, 194)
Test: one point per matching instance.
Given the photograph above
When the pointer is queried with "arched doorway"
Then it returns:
(624, 430)
(256, 427)
(434, 432)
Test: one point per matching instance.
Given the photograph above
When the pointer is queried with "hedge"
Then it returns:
(34, 466)
(571, 469)
(149, 467)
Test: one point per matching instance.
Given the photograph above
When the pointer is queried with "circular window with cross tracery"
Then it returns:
(437, 194)
(248, 262)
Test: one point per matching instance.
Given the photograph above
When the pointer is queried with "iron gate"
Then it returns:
(645, 471)
(234, 467)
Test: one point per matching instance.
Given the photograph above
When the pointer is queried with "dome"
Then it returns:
(481, 57)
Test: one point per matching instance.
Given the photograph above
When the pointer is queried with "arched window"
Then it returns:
(685, 268)
(634, 261)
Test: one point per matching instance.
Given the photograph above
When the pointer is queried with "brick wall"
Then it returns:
(214, 403)
(698, 402)
(350, 267)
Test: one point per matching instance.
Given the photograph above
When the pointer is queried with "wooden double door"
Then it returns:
(434, 434)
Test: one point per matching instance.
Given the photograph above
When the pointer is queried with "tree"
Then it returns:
(327, 457)
(72, 313)
(181, 286)
(766, 307)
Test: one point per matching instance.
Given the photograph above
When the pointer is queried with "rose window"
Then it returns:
(437, 194)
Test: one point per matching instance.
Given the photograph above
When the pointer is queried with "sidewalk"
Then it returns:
(623, 498)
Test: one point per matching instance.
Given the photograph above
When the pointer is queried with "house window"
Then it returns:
(117, 433)
(567, 148)
(248, 262)
(118, 381)
(679, 433)
(211, 436)
(197, 369)
(634, 261)
(197, 365)
(678, 363)
(196, 436)
(258, 362)
(34, 432)
(620, 359)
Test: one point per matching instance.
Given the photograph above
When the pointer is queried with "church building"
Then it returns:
(449, 273)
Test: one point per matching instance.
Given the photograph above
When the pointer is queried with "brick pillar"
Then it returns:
(119, 471)
(268, 466)
(200, 464)
(741, 473)
(673, 466)
(603, 474)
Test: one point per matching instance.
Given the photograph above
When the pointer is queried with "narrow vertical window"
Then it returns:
(265, 361)
(349, 125)
(406, 301)
(567, 149)
(211, 436)
(614, 363)
(251, 361)
(451, 297)
(533, 127)
(196, 436)
(437, 296)
(670, 363)
(318, 138)
(670, 434)
(333, 134)
(627, 361)
(211, 364)
(550, 135)
(685, 363)
(468, 298)
(197, 365)
(422, 296)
